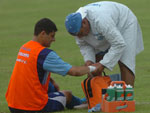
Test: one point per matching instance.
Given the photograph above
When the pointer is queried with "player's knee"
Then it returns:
(68, 95)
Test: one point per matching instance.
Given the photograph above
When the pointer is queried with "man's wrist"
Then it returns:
(87, 63)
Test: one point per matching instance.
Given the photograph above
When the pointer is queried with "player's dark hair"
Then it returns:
(46, 25)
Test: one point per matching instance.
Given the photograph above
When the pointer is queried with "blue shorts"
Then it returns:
(56, 102)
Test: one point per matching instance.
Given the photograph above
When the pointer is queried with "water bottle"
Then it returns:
(110, 92)
(119, 93)
(129, 95)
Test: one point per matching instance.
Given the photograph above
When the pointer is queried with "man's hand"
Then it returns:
(88, 63)
(99, 69)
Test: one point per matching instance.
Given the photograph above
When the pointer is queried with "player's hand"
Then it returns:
(54, 83)
(88, 63)
(56, 86)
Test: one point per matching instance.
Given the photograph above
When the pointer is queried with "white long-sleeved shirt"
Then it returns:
(114, 27)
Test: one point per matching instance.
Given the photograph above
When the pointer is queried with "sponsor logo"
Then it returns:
(26, 49)
(23, 54)
(94, 4)
(99, 36)
(22, 61)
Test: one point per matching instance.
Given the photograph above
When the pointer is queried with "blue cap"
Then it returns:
(73, 23)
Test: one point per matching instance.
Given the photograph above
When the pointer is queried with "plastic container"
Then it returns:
(118, 106)
(110, 92)
(119, 93)
(129, 95)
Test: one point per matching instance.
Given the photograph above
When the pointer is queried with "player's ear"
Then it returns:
(43, 32)
(84, 21)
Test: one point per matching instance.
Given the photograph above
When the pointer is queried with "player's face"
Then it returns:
(48, 39)
(85, 29)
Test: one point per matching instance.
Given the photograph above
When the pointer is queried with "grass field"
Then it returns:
(17, 19)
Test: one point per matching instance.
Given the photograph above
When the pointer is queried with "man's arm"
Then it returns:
(81, 70)
(53, 63)
(88, 63)
(86, 50)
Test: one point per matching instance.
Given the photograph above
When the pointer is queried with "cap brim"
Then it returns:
(82, 11)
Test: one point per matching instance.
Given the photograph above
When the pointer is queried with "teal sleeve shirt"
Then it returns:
(53, 63)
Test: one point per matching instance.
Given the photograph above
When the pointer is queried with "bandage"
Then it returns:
(92, 68)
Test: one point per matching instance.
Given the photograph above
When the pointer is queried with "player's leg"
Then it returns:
(126, 74)
(51, 88)
(72, 100)
(13, 110)
(56, 102)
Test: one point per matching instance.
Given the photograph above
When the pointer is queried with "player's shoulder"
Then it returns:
(45, 52)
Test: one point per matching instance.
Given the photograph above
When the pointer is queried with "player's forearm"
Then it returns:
(81, 70)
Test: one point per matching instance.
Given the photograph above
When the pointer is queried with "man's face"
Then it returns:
(48, 39)
(85, 29)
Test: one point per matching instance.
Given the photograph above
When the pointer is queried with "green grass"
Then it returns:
(17, 19)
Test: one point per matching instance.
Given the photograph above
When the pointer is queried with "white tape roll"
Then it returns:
(92, 68)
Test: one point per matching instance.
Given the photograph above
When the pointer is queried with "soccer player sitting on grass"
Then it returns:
(28, 86)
